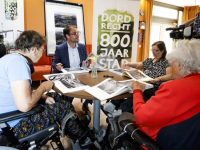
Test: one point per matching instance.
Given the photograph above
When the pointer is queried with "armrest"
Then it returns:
(139, 136)
(5, 117)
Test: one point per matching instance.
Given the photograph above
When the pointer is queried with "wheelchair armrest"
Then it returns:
(9, 116)
(139, 136)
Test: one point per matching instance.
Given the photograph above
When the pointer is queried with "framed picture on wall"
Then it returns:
(59, 14)
(11, 21)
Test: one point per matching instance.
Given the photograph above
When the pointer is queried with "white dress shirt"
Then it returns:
(74, 57)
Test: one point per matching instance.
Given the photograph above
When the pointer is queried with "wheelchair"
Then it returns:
(33, 142)
(184, 135)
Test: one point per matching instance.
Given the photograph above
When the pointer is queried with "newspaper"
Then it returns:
(111, 88)
(133, 74)
(75, 70)
(66, 82)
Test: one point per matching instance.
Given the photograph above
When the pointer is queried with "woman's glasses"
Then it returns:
(155, 50)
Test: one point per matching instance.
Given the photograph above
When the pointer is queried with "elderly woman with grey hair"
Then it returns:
(176, 100)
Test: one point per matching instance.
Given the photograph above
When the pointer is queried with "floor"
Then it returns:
(78, 107)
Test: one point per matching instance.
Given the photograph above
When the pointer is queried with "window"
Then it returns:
(164, 16)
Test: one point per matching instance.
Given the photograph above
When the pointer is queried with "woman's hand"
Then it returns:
(154, 80)
(124, 66)
(48, 85)
(136, 85)
(49, 100)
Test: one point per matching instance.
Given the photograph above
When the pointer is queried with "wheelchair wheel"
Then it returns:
(7, 148)
(127, 143)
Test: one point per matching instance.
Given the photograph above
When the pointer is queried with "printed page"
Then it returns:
(58, 76)
(137, 75)
(110, 88)
(74, 70)
(117, 71)
(66, 82)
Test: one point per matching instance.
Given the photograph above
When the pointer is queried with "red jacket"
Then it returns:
(175, 101)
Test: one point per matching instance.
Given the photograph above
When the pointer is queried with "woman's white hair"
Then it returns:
(187, 54)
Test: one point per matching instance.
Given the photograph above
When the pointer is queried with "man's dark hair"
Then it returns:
(2, 50)
(162, 47)
(67, 29)
(29, 39)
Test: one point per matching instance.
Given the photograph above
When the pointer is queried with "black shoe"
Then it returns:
(86, 110)
(86, 120)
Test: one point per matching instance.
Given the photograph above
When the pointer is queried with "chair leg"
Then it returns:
(81, 100)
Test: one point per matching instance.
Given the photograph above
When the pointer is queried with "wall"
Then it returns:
(34, 19)
(34, 16)
(140, 44)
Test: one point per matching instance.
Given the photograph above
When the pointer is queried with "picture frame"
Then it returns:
(59, 14)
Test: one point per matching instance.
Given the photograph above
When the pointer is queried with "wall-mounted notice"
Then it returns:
(11, 20)
(115, 31)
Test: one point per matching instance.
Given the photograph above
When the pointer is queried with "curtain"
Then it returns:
(148, 7)
(190, 12)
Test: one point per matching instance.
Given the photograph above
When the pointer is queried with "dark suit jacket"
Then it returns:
(62, 56)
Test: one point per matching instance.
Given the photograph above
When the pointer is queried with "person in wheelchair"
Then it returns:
(16, 94)
(164, 117)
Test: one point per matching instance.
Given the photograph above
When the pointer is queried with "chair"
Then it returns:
(33, 141)
(184, 135)
(40, 138)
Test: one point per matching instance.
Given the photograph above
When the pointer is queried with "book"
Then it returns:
(66, 82)
(75, 70)
(133, 74)
(110, 88)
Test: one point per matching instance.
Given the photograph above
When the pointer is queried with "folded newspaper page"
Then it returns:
(111, 88)
(75, 70)
(66, 82)
(133, 74)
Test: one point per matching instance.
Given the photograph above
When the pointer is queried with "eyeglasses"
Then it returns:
(154, 50)
(75, 33)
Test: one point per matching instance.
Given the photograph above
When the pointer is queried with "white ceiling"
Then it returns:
(181, 3)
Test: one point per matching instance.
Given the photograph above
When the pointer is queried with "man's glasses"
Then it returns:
(75, 33)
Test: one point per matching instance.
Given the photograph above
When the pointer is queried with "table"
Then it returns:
(86, 79)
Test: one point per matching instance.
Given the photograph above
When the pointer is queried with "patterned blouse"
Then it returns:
(155, 69)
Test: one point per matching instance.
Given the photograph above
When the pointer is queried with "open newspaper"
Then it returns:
(111, 88)
(66, 82)
(133, 74)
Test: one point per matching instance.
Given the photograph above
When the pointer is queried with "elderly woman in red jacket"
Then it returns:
(176, 100)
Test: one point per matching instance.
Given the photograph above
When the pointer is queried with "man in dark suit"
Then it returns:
(70, 54)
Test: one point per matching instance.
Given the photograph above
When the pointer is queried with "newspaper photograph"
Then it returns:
(109, 88)
(66, 83)
(137, 74)
(74, 70)
(133, 74)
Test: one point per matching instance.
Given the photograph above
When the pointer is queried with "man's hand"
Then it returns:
(86, 64)
(59, 66)
(136, 85)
